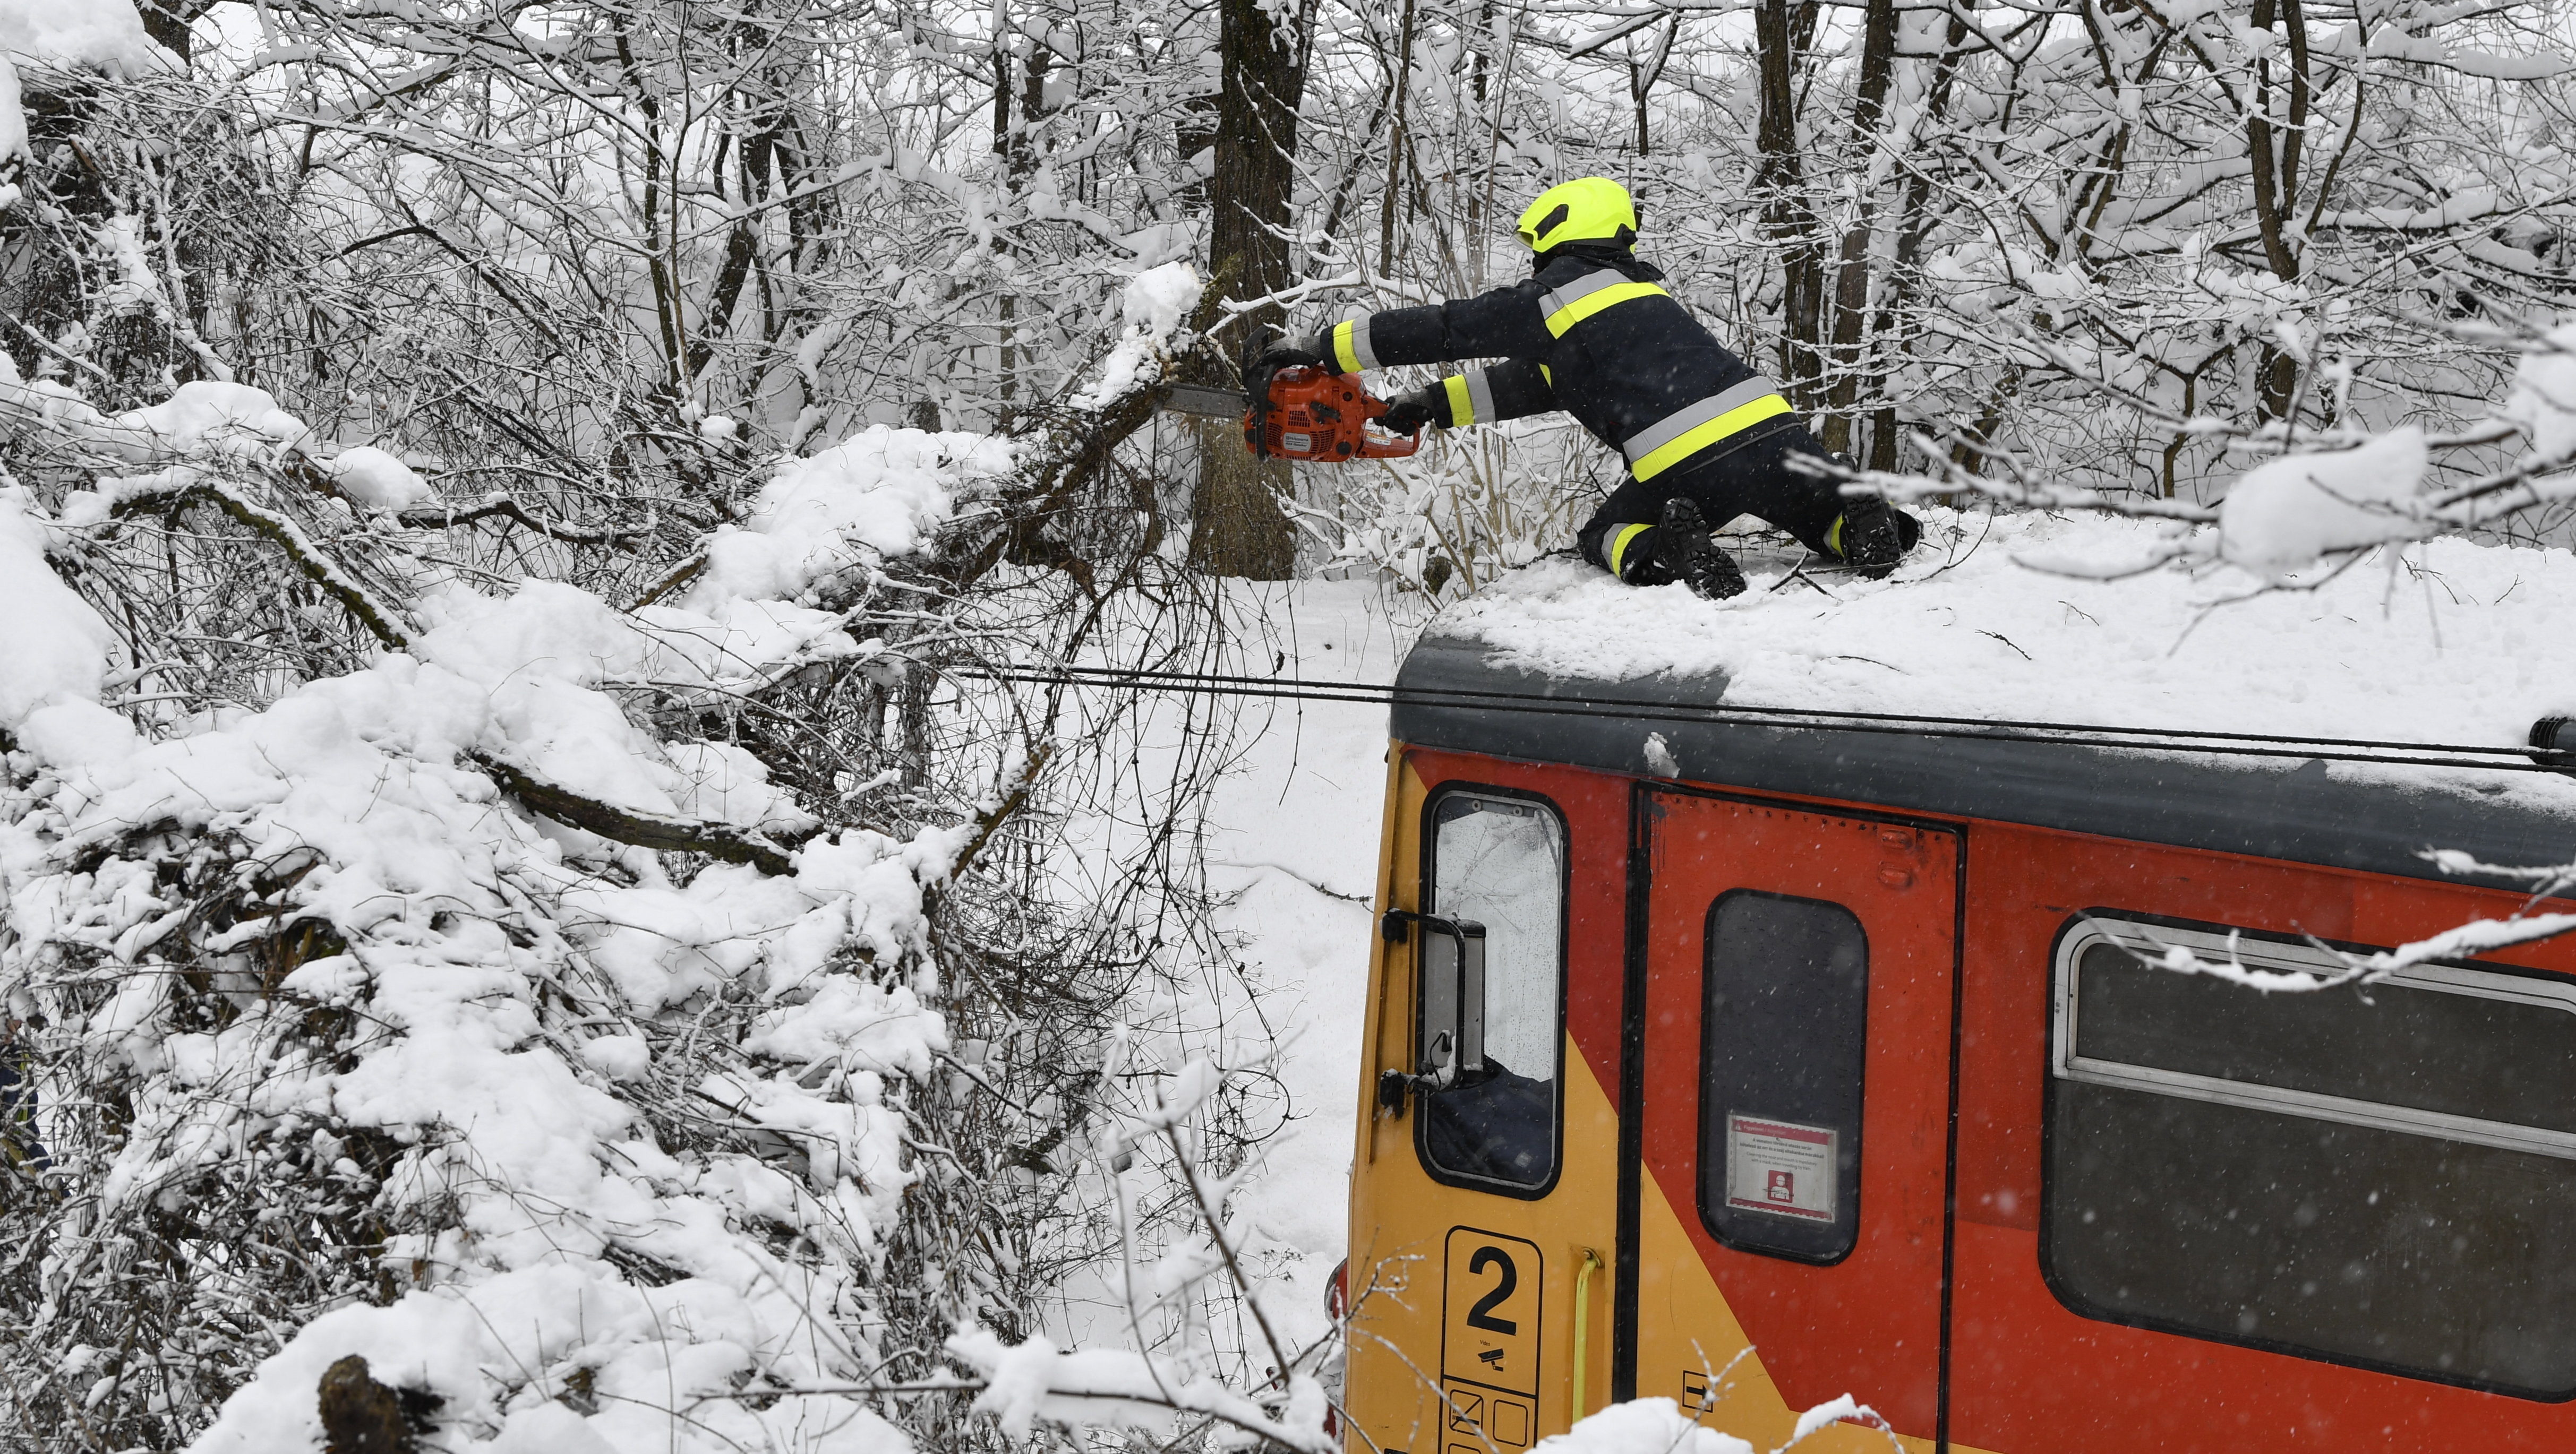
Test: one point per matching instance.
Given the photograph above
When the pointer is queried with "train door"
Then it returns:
(1482, 1200)
(1793, 1116)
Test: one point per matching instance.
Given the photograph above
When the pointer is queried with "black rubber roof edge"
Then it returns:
(2364, 818)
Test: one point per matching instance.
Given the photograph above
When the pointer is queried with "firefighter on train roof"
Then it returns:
(1592, 332)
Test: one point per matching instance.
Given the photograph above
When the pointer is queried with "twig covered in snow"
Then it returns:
(2476, 937)
(178, 488)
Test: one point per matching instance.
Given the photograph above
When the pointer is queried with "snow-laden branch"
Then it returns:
(2549, 877)
(1109, 1388)
(657, 831)
(179, 487)
(2478, 936)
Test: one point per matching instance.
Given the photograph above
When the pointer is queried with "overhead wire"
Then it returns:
(2201, 741)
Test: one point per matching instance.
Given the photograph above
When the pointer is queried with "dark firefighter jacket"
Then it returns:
(1594, 334)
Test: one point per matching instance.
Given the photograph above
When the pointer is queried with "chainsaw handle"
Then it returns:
(1256, 386)
(1395, 448)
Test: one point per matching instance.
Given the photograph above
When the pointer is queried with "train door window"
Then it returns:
(2381, 1175)
(1783, 1037)
(1500, 862)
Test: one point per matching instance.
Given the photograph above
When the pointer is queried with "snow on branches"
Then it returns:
(375, 1018)
(324, 942)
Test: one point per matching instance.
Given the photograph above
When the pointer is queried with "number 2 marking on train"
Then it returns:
(1482, 1314)
(1491, 1316)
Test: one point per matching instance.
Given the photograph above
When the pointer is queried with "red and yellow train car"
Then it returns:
(1798, 1063)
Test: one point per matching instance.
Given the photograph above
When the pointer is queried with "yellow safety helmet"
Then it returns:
(1587, 209)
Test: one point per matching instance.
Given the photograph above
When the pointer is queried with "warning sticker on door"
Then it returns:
(1780, 1167)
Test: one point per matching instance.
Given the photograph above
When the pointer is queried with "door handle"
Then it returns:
(1452, 1032)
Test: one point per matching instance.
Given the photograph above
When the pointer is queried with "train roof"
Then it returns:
(2028, 618)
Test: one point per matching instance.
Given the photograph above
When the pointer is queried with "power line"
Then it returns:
(2065, 734)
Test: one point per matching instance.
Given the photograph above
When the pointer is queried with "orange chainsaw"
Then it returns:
(1308, 413)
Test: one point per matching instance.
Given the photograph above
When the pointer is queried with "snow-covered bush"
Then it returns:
(559, 908)
(488, 1009)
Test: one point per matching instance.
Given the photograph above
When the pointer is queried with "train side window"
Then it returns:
(2380, 1175)
(1784, 1034)
(1501, 862)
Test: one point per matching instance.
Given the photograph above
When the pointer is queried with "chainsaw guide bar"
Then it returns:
(1209, 403)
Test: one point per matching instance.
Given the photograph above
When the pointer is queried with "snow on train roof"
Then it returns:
(2444, 641)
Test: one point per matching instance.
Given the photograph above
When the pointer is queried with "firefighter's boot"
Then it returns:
(1872, 536)
(1678, 549)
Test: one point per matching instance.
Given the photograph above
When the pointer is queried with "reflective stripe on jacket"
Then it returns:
(1596, 336)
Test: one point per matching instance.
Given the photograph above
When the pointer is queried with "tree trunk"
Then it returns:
(2276, 188)
(1400, 82)
(1851, 284)
(167, 22)
(1781, 177)
(1238, 527)
(1913, 222)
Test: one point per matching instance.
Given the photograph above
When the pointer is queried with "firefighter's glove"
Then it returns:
(1314, 351)
(1407, 413)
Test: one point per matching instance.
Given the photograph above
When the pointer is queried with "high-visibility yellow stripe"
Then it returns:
(1462, 409)
(1692, 415)
(1344, 353)
(1558, 299)
(1834, 535)
(1744, 417)
(1596, 300)
(1619, 543)
(1548, 374)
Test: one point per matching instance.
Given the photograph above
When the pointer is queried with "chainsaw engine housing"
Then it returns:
(1315, 414)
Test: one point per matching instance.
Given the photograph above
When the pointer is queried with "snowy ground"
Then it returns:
(1300, 842)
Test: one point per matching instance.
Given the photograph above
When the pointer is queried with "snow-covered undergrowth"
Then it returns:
(322, 943)
(476, 1000)
(71, 33)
